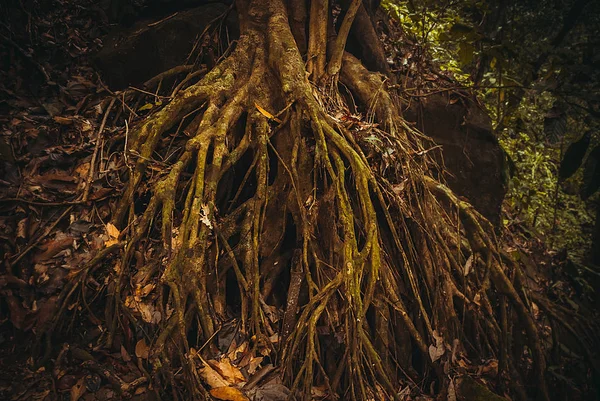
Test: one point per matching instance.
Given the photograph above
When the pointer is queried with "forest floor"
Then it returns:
(52, 103)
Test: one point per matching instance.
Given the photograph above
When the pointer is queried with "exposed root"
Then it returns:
(270, 186)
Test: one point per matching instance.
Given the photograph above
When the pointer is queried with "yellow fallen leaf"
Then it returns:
(266, 113)
(112, 231)
(147, 106)
(228, 394)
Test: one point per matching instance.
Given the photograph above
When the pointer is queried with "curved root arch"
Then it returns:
(288, 207)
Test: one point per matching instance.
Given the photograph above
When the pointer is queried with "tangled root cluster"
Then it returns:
(262, 186)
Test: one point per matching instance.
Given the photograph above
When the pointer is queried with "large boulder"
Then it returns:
(134, 54)
(472, 156)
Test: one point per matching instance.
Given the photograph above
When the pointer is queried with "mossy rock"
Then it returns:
(470, 390)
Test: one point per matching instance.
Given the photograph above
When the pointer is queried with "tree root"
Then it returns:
(375, 265)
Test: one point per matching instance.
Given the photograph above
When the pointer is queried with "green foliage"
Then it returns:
(574, 156)
(531, 64)
(440, 32)
(533, 197)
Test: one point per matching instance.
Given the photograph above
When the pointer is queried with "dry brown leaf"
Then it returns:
(489, 369)
(229, 372)
(254, 364)
(438, 349)
(149, 313)
(451, 391)
(319, 392)
(233, 355)
(145, 290)
(141, 349)
(78, 389)
(212, 377)
(63, 120)
(140, 390)
(113, 234)
(468, 265)
(271, 391)
(477, 299)
(228, 394)
(112, 231)
(399, 188)
(52, 247)
(125, 355)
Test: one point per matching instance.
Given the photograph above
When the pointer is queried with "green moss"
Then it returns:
(470, 390)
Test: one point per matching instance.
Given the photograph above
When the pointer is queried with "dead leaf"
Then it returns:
(78, 389)
(149, 313)
(266, 113)
(271, 312)
(228, 394)
(141, 349)
(271, 392)
(468, 265)
(113, 234)
(489, 369)
(204, 213)
(86, 126)
(212, 377)
(63, 120)
(398, 188)
(437, 350)
(58, 181)
(254, 364)
(22, 228)
(82, 170)
(233, 354)
(45, 312)
(145, 290)
(476, 299)
(52, 247)
(319, 392)
(125, 355)
(229, 372)
(140, 390)
(451, 391)
(112, 231)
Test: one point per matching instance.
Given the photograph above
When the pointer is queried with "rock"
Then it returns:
(470, 390)
(133, 55)
(472, 154)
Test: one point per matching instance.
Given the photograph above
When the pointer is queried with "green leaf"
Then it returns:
(574, 155)
(591, 174)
